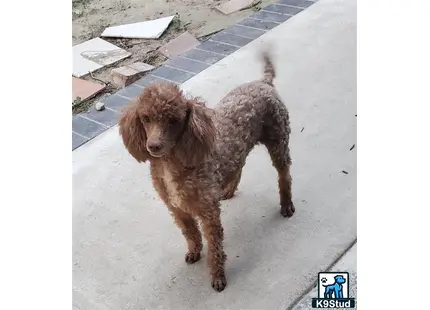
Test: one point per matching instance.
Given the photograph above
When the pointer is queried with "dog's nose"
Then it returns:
(155, 147)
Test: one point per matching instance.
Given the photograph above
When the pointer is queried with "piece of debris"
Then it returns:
(237, 256)
(128, 74)
(83, 90)
(100, 106)
(303, 128)
(256, 8)
(151, 29)
(141, 66)
(94, 54)
(352, 147)
(236, 5)
(179, 45)
(343, 171)
(76, 101)
(209, 30)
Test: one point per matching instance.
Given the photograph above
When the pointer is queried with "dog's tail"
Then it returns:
(269, 69)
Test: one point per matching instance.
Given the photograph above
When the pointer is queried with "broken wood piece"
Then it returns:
(128, 74)
(179, 45)
(236, 5)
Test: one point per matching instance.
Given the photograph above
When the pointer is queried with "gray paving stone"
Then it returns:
(148, 80)
(116, 102)
(77, 141)
(187, 64)
(131, 91)
(172, 74)
(203, 56)
(260, 24)
(218, 48)
(245, 31)
(299, 3)
(230, 39)
(86, 127)
(106, 117)
(282, 9)
(269, 16)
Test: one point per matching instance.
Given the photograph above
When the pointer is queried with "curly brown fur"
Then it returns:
(197, 154)
(269, 69)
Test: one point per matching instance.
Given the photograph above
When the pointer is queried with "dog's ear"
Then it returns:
(133, 134)
(199, 135)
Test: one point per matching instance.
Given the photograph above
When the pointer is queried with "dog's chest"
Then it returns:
(171, 185)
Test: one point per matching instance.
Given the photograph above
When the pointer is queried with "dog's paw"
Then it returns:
(287, 210)
(192, 257)
(227, 196)
(219, 283)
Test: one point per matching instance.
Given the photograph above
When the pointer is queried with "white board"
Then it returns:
(151, 29)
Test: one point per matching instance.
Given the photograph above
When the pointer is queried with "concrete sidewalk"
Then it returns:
(127, 253)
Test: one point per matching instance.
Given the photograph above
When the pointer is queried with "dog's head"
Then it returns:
(339, 279)
(163, 122)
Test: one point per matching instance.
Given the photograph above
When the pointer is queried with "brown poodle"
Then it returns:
(197, 154)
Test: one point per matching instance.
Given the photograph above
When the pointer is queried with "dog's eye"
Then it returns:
(146, 119)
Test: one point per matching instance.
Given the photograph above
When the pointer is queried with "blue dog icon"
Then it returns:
(335, 288)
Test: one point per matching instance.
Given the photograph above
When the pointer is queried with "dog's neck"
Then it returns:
(172, 163)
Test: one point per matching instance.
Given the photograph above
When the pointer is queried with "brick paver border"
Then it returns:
(86, 126)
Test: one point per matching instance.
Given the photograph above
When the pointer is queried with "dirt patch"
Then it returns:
(199, 17)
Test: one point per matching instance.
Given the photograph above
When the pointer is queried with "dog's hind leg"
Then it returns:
(276, 139)
(287, 206)
(230, 189)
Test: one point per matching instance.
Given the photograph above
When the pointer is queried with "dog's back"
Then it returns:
(242, 109)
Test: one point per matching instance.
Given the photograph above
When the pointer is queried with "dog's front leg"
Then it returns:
(191, 232)
(214, 234)
(338, 293)
(183, 220)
